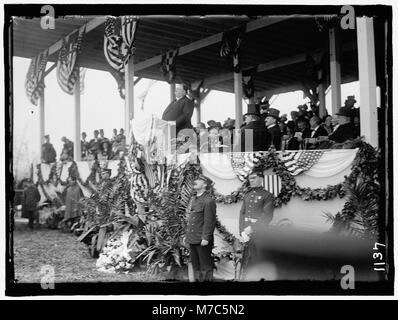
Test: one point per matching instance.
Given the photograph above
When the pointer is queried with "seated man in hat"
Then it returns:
(317, 130)
(271, 122)
(261, 138)
(48, 153)
(345, 130)
(200, 229)
(303, 132)
(180, 110)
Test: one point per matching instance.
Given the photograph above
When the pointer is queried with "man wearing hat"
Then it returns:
(261, 138)
(345, 130)
(200, 228)
(48, 153)
(273, 129)
(181, 109)
(255, 215)
(349, 102)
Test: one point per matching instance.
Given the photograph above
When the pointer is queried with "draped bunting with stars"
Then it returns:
(230, 47)
(297, 162)
(68, 61)
(34, 82)
(168, 66)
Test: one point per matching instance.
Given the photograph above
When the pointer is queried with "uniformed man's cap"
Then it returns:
(208, 181)
(257, 172)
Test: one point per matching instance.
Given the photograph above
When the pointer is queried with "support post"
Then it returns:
(129, 97)
(335, 74)
(172, 92)
(322, 100)
(42, 121)
(76, 133)
(238, 99)
(197, 111)
(367, 80)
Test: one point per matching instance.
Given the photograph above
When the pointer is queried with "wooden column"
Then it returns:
(172, 92)
(367, 80)
(76, 132)
(42, 121)
(322, 100)
(335, 75)
(238, 99)
(129, 97)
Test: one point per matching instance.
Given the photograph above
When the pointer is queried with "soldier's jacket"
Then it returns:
(257, 209)
(201, 219)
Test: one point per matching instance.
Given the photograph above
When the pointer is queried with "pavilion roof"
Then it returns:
(278, 44)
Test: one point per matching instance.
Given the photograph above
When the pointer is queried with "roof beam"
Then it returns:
(92, 24)
(251, 26)
(279, 63)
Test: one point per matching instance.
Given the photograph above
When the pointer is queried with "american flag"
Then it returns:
(34, 82)
(299, 161)
(119, 42)
(68, 67)
(243, 162)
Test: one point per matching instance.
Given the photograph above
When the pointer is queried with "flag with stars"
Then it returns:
(299, 161)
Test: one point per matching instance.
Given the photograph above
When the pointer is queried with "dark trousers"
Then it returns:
(31, 215)
(202, 261)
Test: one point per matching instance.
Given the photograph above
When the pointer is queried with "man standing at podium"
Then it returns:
(180, 110)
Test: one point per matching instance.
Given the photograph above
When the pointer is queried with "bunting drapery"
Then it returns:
(247, 82)
(168, 66)
(34, 82)
(231, 45)
(68, 66)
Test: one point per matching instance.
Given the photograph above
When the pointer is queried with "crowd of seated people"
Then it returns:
(306, 130)
(99, 147)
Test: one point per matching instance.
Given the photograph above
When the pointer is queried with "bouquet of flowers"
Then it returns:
(115, 257)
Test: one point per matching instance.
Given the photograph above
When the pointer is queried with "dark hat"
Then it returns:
(252, 109)
(351, 99)
(211, 123)
(215, 125)
(208, 181)
(107, 171)
(344, 111)
(273, 113)
(294, 113)
(47, 136)
(229, 123)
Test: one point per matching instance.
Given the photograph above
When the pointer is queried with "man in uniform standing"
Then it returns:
(200, 229)
(255, 215)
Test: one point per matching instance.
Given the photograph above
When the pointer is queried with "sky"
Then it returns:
(102, 107)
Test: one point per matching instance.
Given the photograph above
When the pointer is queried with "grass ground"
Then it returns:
(70, 259)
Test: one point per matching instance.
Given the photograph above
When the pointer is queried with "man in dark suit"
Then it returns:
(200, 229)
(345, 130)
(303, 132)
(180, 110)
(317, 131)
(261, 138)
(271, 122)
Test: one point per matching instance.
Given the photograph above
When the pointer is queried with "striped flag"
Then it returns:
(273, 184)
(297, 162)
(68, 67)
(34, 82)
(119, 40)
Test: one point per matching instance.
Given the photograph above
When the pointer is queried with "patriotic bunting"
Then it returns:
(119, 40)
(68, 67)
(243, 162)
(247, 82)
(34, 82)
(299, 161)
(168, 67)
(230, 46)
